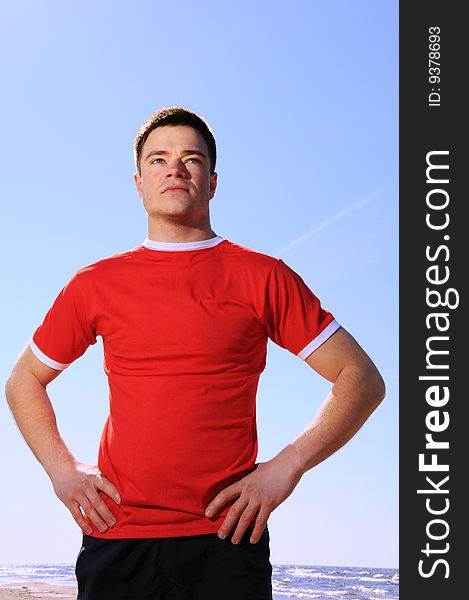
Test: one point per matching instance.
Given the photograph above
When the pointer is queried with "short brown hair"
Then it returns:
(175, 115)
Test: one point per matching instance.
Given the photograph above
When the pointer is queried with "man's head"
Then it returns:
(174, 115)
(175, 156)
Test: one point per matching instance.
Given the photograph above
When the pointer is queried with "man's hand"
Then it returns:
(259, 493)
(77, 484)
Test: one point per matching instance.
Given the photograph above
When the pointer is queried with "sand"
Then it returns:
(37, 589)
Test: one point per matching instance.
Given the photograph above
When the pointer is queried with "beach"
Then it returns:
(37, 589)
(57, 581)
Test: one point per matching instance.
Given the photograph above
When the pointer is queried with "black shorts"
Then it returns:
(196, 567)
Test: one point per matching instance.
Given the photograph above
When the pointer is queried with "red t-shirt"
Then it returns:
(184, 329)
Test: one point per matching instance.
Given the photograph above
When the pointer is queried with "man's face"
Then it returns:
(175, 180)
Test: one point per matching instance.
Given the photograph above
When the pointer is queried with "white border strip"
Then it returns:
(45, 359)
(319, 339)
(154, 245)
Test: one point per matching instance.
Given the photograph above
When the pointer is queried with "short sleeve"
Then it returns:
(294, 316)
(66, 331)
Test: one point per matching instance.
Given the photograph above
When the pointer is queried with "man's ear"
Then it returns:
(213, 184)
(138, 184)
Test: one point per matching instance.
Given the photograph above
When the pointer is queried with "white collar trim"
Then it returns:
(154, 245)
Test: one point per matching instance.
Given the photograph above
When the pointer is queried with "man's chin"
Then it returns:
(174, 214)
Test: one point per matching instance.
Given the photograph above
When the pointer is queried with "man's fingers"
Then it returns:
(94, 517)
(259, 526)
(243, 523)
(221, 499)
(101, 508)
(79, 519)
(104, 485)
(232, 517)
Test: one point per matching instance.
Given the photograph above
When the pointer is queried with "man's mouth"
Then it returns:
(175, 188)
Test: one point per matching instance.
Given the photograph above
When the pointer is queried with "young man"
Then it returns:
(177, 507)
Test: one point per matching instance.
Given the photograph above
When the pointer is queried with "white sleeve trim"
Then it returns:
(319, 339)
(45, 359)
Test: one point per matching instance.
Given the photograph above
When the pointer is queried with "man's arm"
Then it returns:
(358, 389)
(74, 483)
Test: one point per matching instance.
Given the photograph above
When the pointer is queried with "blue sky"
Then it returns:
(303, 100)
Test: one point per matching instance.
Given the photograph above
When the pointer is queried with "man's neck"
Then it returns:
(179, 233)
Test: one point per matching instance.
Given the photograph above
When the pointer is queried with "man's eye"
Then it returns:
(156, 159)
(196, 160)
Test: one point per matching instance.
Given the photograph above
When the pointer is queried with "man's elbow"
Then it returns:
(375, 384)
(368, 382)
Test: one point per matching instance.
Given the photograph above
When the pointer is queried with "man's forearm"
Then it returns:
(35, 417)
(354, 396)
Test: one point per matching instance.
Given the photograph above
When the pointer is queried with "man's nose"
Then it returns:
(176, 169)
